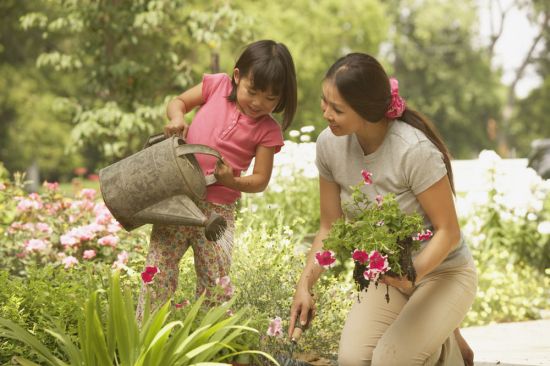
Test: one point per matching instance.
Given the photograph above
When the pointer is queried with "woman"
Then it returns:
(371, 128)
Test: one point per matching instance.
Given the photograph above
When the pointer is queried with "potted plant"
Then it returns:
(378, 237)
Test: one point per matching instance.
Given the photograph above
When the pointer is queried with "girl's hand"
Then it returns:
(398, 282)
(176, 127)
(302, 304)
(224, 173)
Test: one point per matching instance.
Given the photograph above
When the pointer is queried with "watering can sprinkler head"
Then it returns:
(215, 226)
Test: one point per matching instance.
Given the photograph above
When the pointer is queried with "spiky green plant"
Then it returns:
(121, 342)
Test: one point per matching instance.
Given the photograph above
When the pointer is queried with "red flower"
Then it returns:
(182, 304)
(367, 176)
(325, 259)
(378, 262)
(149, 274)
(360, 256)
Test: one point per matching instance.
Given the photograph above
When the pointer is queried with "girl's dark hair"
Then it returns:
(270, 67)
(365, 86)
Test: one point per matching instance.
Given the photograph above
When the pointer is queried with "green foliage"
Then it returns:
(47, 295)
(512, 258)
(374, 227)
(267, 263)
(113, 337)
(297, 198)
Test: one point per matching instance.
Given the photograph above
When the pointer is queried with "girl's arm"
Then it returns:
(330, 212)
(437, 202)
(254, 183)
(177, 108)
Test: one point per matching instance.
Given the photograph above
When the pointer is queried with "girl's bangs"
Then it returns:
(268, 76)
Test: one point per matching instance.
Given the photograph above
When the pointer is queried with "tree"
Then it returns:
(30, 131)
(530, 117)
(539, 15)
(441, 73)
(317, 33)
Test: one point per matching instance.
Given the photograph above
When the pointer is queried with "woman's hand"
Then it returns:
(402, 282)
(224, 173)
(176, 126)
(302, 304)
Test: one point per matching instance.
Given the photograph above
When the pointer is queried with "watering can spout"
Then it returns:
(160, 185)
(181, 210)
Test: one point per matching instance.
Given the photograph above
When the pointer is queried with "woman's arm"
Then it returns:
(254, 183)
(437, 202)
(331, 210)
(180, 105)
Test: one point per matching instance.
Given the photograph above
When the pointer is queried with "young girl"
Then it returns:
(235, 119)
(370, 127)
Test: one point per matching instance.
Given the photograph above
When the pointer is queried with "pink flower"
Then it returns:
(122, 259)
(149, 274)
(113, 228)
(2, 186)
(367, 176)
(109, 240)
(68, 240)
(424, 235)
(378, 264)
(88, 193)
(325, 259)
(51, 186)
(360, 256)
(69, 261)
(32, 203)
(35, 245)
(225, 283)
(379, 199)
(43, 227)
(380, 223)
(275, 328)
(89, 254)
(377, 261)
(182, 304)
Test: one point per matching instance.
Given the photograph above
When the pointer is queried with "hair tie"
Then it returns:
(397, 104)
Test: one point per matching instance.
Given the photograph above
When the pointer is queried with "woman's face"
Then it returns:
(341, 118)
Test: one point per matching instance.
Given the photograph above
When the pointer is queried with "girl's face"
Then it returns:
(341, 118)
(253, 102)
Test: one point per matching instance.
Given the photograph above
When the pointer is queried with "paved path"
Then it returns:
(507, 344)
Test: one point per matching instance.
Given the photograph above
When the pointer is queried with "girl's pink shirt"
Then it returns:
(220, 125)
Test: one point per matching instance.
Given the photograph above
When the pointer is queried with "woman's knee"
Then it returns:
(353, 356)
(391, 354)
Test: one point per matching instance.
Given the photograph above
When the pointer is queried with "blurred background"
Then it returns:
(83, 83)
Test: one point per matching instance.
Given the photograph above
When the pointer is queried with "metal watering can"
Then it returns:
(160, 185)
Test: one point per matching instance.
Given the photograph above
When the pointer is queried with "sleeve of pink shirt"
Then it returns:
(272, 136)
(210, 82)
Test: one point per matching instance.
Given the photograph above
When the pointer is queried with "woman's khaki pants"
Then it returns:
(415, 328)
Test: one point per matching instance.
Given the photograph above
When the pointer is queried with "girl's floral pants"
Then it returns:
(212, 260)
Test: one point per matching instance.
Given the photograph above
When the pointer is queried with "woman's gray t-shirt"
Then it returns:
(406, 164)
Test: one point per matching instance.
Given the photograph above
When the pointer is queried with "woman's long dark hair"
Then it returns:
(365, 86)
(270, 67)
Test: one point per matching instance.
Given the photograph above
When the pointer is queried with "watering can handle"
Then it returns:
(154, 139)
(199, 149)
